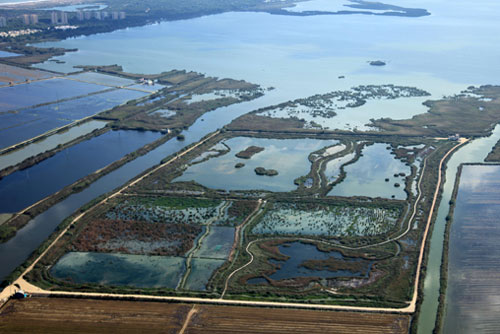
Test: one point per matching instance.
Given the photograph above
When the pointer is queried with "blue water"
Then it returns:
(300, 252)
(7, 54)
(14, 252)
(29, 123)
(28, 186)
(38, 92)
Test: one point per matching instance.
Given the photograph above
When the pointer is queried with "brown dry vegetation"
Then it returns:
(98, 233)
(225, 319)
(253, 122)
(181, 85)
(65, 315)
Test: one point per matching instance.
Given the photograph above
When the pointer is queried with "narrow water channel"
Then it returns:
(475, 151)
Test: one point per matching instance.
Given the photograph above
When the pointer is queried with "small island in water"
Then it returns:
(249, 152)
(263, 171)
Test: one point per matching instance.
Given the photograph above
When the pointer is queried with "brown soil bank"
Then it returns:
(65, 315)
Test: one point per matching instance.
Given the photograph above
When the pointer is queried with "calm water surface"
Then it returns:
(472, 152)
(25, 187)
(473, 289)
(300, 56)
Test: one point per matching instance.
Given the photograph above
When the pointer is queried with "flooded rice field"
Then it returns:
(473, 293)
(25, 187)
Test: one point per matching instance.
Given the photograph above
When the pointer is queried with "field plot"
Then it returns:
(222, 319)
(38, 92)
(90, 316)
(49, 143)
(322, 220)
(376, 174)
(28, 123)
(25, 187)
(14, 74)
(473, 272)
(104, 316)
(102, 79)
(221, 173)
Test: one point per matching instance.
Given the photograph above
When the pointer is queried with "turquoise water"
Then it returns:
(119, 269)
(217, 244)
(201, 271)
(220, 173)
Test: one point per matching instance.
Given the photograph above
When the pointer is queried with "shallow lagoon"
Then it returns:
(300, 252)
(23, 188)
(326, 221)
(289, 157)
(120, 269)
(201, 271)
(217, 244)
(366, 177)
(332, 169)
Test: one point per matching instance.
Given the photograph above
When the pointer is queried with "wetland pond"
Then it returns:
(367, 176)
(299, 253)
(120, 269)
(287, 156)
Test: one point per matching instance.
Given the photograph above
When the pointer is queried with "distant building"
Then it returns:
(98, 15)
(33, 18)
(79, 15)
(56, 18)
(104, 15)
(64, 18)
(26, 19)
(454, 137)
(3, 22)
(87, 15)
(53, 18)
(115, 15)
(122, 15)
